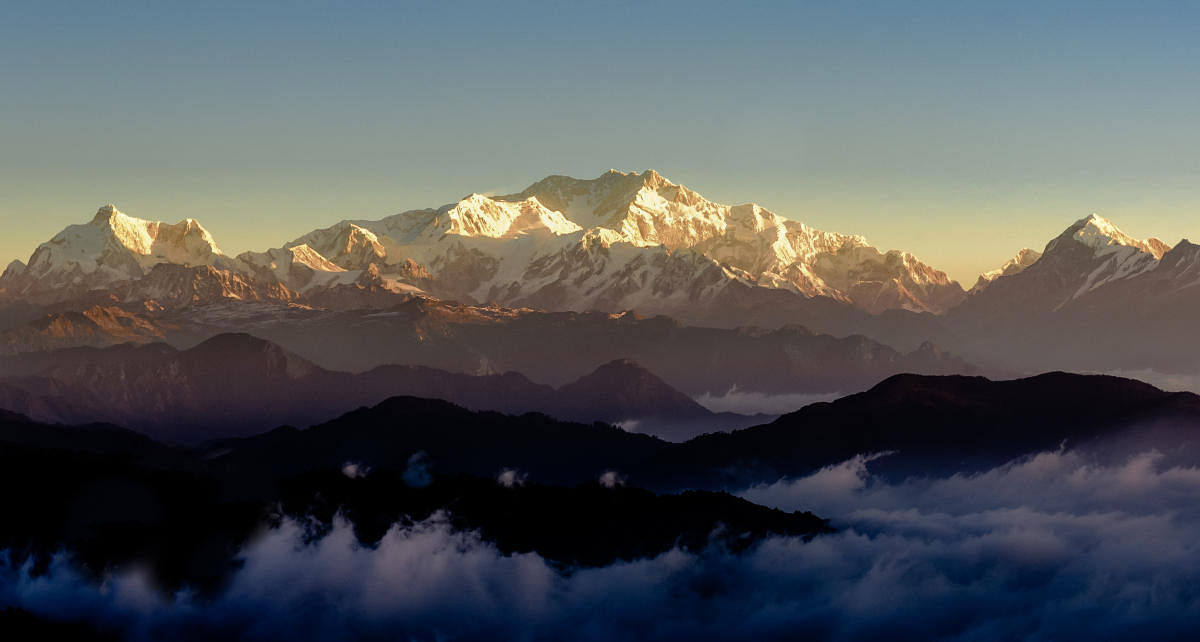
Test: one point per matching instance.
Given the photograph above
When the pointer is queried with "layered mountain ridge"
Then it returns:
(237, 384)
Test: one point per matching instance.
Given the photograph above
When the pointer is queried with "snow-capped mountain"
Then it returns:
(1114, 254)
(1023, 259)
(620, 241)
(1095, 299)
(1085, 257)
(112, 248)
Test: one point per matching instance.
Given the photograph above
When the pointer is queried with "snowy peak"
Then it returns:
(355, 248)
(115, 247)
(308, 257)
(347, 245)
(1092, 262)
(105, 214)
(610, 200)
(478, 215)
(1017, 264)
(1099, 251)
(299, 267)
(150, 237)
(1103, 236)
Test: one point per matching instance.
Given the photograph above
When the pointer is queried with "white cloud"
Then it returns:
(510, 478)
(611, 479)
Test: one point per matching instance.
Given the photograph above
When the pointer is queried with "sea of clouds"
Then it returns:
(1050, 547)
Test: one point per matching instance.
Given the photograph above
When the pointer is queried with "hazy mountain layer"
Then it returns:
(237, 384)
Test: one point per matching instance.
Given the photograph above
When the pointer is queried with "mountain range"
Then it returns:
(571, 273)
(618, 242)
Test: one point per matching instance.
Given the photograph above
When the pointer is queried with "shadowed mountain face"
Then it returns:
(557, 348)
(626, 389)
(236, 384)
(229, 384)
(553, 348)
(453, 440)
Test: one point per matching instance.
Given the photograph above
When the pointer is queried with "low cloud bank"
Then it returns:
(1174, 382)
(752, 403)
(1056, 546)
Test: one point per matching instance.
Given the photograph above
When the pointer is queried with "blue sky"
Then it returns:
(959, 131)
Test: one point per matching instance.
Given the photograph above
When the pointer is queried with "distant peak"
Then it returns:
(14, 268)
(1101, 225)
(654, 180)
(233, 339)
(306, 255)
(623, 363)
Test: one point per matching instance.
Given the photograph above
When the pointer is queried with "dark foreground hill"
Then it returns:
(932, 425)
(113, 499)
(939, 425)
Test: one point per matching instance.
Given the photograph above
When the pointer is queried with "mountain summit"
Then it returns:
(1096, 299)
(1023, 259)
(113, 247)
(1101, 235)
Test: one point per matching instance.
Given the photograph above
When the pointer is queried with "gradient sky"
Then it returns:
(959, 131)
